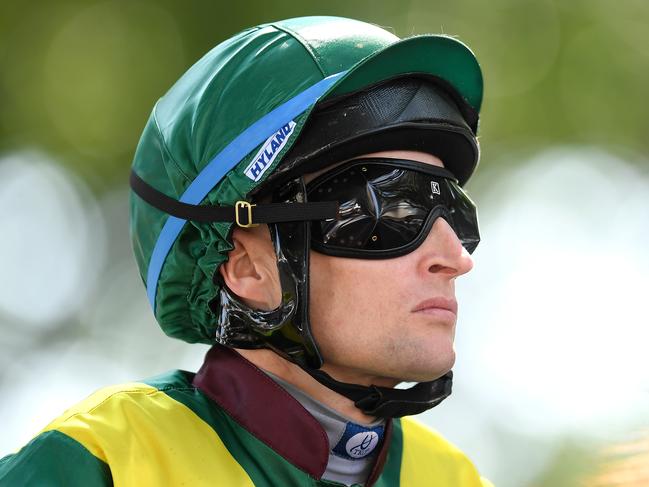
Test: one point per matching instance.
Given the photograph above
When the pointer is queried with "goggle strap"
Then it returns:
(243, 213)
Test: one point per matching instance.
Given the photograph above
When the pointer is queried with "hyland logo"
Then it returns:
(434, 187)
(269, 152)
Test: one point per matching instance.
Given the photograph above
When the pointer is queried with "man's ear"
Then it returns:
(251, 269)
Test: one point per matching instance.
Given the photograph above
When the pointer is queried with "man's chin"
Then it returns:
(431, 373)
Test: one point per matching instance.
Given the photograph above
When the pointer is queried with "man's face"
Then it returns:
(371, 318)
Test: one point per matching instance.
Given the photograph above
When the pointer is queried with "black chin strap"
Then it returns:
(384, 402)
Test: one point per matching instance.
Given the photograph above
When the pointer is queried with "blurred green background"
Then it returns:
(552, 367)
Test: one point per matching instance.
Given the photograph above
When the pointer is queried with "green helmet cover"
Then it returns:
(224, 126)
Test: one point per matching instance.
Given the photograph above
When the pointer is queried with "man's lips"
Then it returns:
(437, 303)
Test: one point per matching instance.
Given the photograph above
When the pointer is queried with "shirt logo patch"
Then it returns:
(362, 444)
(358, 441)
(268, 152)
(434, 187)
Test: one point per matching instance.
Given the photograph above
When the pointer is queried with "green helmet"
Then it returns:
(223, 129)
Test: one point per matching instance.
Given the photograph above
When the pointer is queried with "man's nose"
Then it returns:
(443, 251)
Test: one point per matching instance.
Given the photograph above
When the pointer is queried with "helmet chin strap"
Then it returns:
(242, 327)
(384, 402)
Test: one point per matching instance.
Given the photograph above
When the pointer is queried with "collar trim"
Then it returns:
(382, 454)
(272, 415)
(263, 408)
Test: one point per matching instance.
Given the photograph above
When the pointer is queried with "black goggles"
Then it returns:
(387, 208)
(367, 208)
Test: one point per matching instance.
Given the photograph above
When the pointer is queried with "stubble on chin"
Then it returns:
(413, 361)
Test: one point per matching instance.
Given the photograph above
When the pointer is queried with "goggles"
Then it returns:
(374, 208)
(387, 208)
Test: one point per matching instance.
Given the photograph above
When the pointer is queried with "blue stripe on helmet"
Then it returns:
(223, 162)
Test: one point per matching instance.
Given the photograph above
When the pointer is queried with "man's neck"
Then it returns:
(294, 375)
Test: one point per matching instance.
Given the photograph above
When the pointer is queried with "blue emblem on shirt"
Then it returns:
(358, 441)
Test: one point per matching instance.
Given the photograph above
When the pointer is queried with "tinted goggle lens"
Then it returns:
(387, 208)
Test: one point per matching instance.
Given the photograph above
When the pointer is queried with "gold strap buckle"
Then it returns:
(246, 206)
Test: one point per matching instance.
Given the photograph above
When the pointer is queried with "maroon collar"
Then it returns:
(271, 414)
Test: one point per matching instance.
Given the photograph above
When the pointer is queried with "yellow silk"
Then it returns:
(428, 459)
(149, 439)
